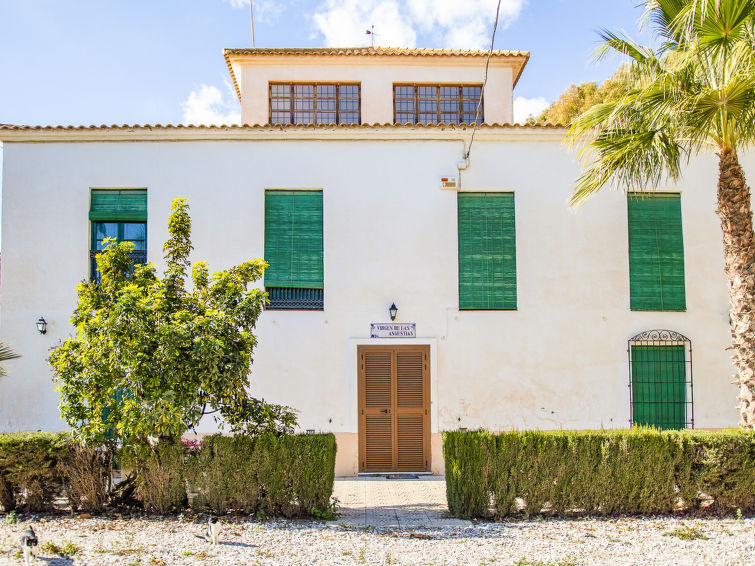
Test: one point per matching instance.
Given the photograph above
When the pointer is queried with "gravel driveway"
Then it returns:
(347, 540)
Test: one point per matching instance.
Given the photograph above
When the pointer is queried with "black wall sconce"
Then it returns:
(393, 310)
(42, 325)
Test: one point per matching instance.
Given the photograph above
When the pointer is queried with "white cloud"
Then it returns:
(526, 107)
(453, 24)
(265, 11)
(208, 105)
(344, 22)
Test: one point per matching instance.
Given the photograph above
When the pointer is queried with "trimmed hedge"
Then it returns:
(642, 470)
(270, 475)
(267, 475)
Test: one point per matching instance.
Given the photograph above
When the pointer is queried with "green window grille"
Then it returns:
(656, 252)
(294, 248)
(120, 214)
(487, 251)
(659, 386)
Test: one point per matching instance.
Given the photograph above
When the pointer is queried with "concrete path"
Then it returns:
(394, 503)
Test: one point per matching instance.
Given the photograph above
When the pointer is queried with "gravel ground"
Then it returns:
(121, 541)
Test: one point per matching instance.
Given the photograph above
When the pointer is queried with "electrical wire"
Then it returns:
(485, 81)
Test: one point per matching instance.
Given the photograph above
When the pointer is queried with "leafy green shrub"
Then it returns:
(598, 472)
(269, 474)
(29, 474)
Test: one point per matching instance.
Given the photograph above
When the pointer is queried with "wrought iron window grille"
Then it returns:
(291, 298)
(660, 380)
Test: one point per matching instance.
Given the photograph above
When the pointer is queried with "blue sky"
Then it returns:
(160, 61)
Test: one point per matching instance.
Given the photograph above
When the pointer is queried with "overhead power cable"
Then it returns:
(484, 81)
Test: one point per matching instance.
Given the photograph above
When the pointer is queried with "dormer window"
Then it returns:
(314, 103)
(436, 104)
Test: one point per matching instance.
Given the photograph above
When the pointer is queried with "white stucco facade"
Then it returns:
(390, 235)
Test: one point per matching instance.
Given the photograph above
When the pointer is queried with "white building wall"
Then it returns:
(376, 75)
(390, 235)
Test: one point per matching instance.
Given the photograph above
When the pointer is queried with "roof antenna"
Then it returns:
(251, 13)
(372, 34)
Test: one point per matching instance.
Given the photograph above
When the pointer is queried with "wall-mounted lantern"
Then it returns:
(393, 311)
(42, 325)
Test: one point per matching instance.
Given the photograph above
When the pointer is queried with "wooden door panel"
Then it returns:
(411, 445)
(378, 433)
(394, 422)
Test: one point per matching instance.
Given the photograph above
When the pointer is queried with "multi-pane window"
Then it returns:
(656, 252)
(314, 103)
(437, 104)
(487, 251)
(661, 379)
(120, 214)
(294, 249)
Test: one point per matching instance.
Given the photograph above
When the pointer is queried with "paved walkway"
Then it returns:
(416, 503)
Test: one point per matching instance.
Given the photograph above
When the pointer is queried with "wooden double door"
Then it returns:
(394, 408)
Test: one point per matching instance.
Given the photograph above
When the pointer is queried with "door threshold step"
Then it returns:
(395, 475)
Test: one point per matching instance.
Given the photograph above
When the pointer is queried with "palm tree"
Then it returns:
(6, 354)
(695, 92)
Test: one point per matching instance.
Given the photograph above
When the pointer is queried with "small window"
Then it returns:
(437, 104)
(656, 252)
(120, 214)
(487, 251)
(660, 376)
(314, 103)
(294, 250)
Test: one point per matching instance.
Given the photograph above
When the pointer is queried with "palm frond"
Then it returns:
(6, 353)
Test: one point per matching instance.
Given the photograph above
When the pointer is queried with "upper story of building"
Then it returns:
(367, 85)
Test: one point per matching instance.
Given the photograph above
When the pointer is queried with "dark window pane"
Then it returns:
(303, 117)
(326, 104)
(405, 118)
(469, 106)
(404, 92)
(471, 92)
(427, 91)
(349, 118)
(104, 230)
(468, 118)
(135, 232)
(449, 106)
(449, 118)
(349, 105)
(428, 118)
(427, 106)
(304, 90)
(349, 90)
(326, 117)
(280, 90)
(281, 104)
(405, 106)
(449, 92)
(326, 91)
(281, 118)
(304, 104)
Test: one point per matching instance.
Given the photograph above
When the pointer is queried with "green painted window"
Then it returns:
(487, 251)
(656, 252)
(659, 386)
(293, 247)
(120, 214)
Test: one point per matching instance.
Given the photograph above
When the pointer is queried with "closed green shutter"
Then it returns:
(658, 386)
(118, 204)
(487, 251)
(293, 239)
(656, 253)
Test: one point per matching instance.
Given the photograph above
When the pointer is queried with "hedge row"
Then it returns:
(270, 475)
(598, 472)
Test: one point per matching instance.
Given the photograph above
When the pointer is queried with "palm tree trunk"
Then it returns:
(739, 252)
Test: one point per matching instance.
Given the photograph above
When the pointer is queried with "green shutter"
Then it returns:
(118, 204)
(487, 251)
(658, 386)
(293, 239)
(656, 253)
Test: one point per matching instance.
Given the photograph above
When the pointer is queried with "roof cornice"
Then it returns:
(319, 132)
(521, 57)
